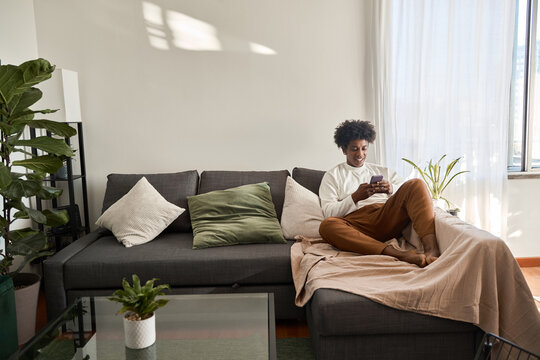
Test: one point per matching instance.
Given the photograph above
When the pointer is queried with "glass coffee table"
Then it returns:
(209, 326)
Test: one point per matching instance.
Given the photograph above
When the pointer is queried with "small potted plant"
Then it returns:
(139, 304)
(437, 179)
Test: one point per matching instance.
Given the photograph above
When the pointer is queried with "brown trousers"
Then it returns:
(364, 231)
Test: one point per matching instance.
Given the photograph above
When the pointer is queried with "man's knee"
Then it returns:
(415, 184)
(328, 225)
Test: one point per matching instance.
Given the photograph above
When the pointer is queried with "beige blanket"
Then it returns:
(476, 280)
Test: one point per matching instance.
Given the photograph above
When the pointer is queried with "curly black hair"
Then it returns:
(354, 130)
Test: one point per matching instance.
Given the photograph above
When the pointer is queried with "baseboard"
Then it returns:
(528, 261)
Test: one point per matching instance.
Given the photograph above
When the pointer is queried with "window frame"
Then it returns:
(526, 167)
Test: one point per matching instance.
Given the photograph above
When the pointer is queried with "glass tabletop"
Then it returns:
(209, 326)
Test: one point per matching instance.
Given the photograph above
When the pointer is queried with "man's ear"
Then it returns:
(344, 149)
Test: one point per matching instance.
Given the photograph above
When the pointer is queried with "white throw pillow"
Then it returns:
(140, 215)
(302, 213)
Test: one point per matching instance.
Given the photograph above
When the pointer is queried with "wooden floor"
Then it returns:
(532, 275)
(299, 329)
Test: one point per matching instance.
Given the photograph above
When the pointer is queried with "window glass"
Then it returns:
(535, 125)
(517, 92)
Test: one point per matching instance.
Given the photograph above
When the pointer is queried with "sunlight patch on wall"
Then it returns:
(158, 43)
(192, 34)
(515, 234)
(261, 49)
(155, 32)
(494, 209)
(153, 15)
(172, 28)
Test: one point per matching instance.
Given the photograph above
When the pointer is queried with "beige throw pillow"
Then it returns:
(140, 215)
(302, 213)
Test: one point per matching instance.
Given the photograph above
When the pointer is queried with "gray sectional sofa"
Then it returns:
(342, 325)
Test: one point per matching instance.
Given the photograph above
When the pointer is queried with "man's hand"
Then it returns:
(383, 187)
(364, 191)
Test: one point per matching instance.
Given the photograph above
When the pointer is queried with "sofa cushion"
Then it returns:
(221, 180)
(240, 215)
(308, 178)
(140, 215)
(174, 187)
(338, 313)
(170, 258)
(302, 212)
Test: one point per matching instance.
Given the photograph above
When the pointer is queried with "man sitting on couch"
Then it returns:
(362, 212)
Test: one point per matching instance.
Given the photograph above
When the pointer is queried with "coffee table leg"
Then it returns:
(271, 328)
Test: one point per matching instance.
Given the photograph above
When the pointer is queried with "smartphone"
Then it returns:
(375, 179)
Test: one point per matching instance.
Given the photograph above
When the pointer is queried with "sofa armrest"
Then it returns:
(53, 272)
(449, 227)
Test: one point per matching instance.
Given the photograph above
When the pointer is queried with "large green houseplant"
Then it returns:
(21, 170)
(437, 178)
(22, 179)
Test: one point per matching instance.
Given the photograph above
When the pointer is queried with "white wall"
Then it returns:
(524, 217)
(18, 41)
(153, 103)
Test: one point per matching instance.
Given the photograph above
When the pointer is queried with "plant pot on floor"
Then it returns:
(26, 300)
(139, 334)
(8, 325)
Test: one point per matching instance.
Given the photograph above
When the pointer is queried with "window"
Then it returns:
(524, 129)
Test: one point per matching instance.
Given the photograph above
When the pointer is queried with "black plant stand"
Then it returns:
(75, 226)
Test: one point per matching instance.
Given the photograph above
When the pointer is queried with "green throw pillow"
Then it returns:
(240, 215)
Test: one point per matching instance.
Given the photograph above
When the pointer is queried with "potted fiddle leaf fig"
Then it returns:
(437, 179)
(138, 305)
(21, 177)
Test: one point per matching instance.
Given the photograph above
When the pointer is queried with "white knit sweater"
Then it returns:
(341, 181)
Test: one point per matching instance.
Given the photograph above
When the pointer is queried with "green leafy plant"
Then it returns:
(437, 178)
(22, 178)
(138, 299)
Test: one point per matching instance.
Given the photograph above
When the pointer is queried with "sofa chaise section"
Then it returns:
(348, 326)
(345, 325)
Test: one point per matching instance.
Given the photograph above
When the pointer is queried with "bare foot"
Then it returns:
(412, 257)
(430, 258)
(431, 249)
(408, 256)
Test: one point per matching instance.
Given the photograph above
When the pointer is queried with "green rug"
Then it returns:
(294, 349)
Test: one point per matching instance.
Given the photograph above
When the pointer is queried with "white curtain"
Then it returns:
(441, 82)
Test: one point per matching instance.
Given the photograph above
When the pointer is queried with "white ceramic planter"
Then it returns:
(26, 300)
(140, 334)
(440, 203)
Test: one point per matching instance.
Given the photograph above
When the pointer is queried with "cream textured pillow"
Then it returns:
(302, 213)
(140, 215)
